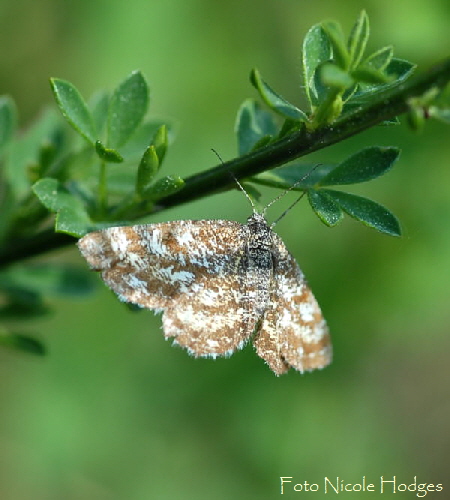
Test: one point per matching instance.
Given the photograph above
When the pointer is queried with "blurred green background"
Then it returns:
(113, 411)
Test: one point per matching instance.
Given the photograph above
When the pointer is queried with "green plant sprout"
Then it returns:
(55, 188)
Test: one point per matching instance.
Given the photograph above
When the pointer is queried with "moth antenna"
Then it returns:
(287, 210)
(236, 181)
(290, 188)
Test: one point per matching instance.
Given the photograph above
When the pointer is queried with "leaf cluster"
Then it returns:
(338, 77)
(45, 172)
(56, 185)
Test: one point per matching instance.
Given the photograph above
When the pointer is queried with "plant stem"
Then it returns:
(389, 104)
(102, 191)
(42, 242)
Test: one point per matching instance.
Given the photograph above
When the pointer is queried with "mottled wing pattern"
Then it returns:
(218, 282)
(189, 269)
(293, 332)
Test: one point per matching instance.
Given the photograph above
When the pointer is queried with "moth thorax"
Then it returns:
(260, 233)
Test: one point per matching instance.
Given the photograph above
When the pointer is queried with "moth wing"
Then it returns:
(293, 332)
(190, 269)
(153, 265)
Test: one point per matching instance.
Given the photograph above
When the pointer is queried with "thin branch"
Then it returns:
(388, 105)
(42, 242)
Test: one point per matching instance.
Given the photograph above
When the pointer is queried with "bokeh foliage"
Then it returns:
(113, 412)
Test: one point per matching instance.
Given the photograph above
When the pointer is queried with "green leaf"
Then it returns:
(370, 75)
(72, 217)
(163, 187)
(367, 211)
(75, 221)
(400, 69)
(74, 108)
(127, 108)
(275, 101)
(252, 124)
(148, 168)
(8, 120)
(21, 342)
(380, 59)
(161, 142)
(358, 39)
(396, 72)
(52, 194)
(333, 76)
(340, 53)
(286, 176)
(55, 197)
(316, 51)
(107, 154)
(328, 211)
(365, 165)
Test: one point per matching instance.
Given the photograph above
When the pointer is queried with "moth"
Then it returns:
(219, 284)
